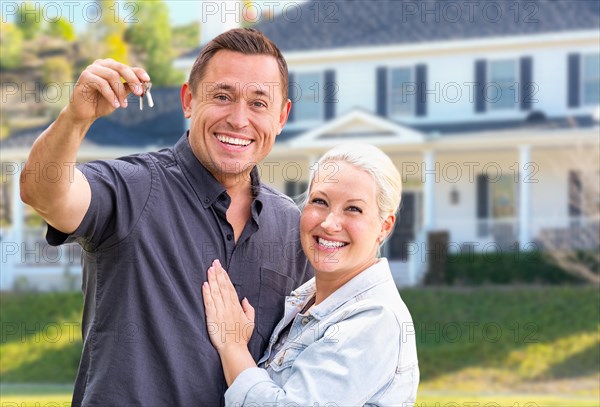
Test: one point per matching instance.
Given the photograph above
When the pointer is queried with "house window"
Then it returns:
(496, 202)
(591, 79)
(397, 246)
(503, 198)
(501, 88)
(309, 96)
(295, 190)
(402, 92)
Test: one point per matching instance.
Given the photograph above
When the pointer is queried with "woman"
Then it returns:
(346, 337)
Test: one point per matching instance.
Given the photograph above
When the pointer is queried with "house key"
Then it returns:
(146, 92)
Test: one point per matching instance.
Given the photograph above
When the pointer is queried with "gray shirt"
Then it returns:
(155, 224)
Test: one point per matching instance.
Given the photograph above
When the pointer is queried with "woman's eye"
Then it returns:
(318, 201)
(355, 209)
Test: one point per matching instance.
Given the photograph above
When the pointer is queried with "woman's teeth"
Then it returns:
(330, 244)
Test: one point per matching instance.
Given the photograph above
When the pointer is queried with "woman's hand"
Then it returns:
(230, 324)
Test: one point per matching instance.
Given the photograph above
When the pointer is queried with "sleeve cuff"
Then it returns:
(241, 386)
(55, 237)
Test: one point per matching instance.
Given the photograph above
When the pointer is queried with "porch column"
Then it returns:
(428, 176)
(12, 243)
(524, 197)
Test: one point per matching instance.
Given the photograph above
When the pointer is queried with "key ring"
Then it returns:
(145, 92)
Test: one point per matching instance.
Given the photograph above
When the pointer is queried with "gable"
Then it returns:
(354, 125)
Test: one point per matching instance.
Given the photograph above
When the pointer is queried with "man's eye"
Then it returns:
(259, 103)
(222, 98)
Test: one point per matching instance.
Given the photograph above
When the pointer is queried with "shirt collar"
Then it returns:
(372, 276)
(205, 185)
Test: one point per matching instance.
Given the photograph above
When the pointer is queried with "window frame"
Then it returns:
(583, 80)
(493, 106)
(411, 110)
(320, 98)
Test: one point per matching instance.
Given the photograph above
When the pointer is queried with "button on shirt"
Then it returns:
(156, 222)
(355, 348)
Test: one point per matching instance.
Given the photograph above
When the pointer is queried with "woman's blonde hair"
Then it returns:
(375, 162)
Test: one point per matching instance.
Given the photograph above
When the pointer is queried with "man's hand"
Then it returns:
(230, 324)
(100, 90)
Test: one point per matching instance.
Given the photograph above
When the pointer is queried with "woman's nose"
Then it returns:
(331, 222)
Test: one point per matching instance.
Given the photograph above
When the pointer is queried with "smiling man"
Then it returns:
(151, 224)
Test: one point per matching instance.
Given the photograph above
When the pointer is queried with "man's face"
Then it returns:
(236, 112)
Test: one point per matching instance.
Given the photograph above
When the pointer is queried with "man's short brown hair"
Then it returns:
(243, 40)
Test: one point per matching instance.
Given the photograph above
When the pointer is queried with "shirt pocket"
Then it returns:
(285, 358)
(274, 286)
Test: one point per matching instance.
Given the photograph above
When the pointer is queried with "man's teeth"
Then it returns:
(329, 244)
(234, 141)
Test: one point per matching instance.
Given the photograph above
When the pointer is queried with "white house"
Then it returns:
(489, 109)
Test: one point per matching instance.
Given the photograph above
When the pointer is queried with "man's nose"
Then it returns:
(238, 114)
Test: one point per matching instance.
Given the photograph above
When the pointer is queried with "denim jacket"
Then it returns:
(355, 348)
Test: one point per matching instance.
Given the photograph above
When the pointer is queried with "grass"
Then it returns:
(510, 345)
(60, 395)
(507, 339)
(41, 337)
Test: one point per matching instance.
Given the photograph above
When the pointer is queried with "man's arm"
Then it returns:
(63, 201)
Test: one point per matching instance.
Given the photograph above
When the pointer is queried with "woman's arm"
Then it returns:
(230, 324)
(350, 363)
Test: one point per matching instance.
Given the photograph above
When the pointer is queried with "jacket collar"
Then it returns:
(364, 281)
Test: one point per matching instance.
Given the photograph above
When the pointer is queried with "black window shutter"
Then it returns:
(480, 83)
(573, 80)
(330, 92)
(290, 189)
(291, 95)
(525, 88)
(421, 79)
(382, 89)
(483, 210)
(482, 197)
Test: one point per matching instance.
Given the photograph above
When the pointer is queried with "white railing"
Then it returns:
(576, 232)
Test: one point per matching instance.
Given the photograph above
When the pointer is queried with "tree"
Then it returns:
(152, 42)
(576, 248)
(29, 19)
(108, 35)
(186, 37)
(249, 13)
(61, 28)
(58, 74)
(11, 45)
(57, 70)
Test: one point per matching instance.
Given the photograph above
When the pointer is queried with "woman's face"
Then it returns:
(340, 227)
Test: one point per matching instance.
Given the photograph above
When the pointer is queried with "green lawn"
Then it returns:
(510, 345)
(60, 395)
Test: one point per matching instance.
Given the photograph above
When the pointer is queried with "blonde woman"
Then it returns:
(346, 337)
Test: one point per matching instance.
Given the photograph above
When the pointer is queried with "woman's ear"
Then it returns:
(387, 227)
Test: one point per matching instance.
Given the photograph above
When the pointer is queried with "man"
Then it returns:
(151, 224)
